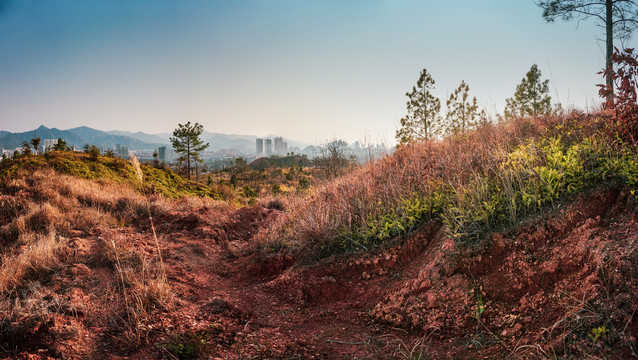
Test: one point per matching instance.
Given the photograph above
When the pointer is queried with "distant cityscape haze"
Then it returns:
(224, 150)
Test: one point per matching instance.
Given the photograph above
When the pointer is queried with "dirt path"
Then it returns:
(272, 315)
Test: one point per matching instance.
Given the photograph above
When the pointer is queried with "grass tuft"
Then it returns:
(40, 254)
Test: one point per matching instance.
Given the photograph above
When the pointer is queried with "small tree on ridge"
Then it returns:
(462, 114)
(531, 97)
(187, 142)
(36, 145)
(60, 145)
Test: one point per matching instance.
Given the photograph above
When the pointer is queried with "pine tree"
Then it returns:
(619, 18)
(36, 145)
(462, 114)
(423, 120)
(531, 97)
(186, 141)
(26, 148)
(60, 145)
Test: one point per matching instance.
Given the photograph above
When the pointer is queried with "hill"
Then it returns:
(77, 137)
(517, 240)
(103, 139)
(83, 135)
(148, 138)
(162, 181)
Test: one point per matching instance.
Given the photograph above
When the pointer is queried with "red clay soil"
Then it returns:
(544, 289)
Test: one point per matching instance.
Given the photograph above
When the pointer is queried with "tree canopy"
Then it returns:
(60, 145)
(334, 160)
(619, 18)
(186, 141)
(531, 97)
(462, 114)
(36, 144)
(423, 120)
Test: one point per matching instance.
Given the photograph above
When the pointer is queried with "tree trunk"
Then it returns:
(609, 26)
(188, 160)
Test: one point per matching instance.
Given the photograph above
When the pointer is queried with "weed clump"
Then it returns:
(40, 255)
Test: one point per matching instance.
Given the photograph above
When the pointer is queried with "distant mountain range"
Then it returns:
(83, 135)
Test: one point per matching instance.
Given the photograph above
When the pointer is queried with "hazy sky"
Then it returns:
(304, 69)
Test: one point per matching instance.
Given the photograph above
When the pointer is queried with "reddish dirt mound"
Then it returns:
(241, 224)
(245, 222)
(508, 299)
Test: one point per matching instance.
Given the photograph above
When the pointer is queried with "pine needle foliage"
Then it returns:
(462, 113)
(531, 97)
(423, 121)
(187, 142)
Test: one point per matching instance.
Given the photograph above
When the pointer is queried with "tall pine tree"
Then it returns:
(423, 121)
(531, 97)
(186, 141)
(462, 114)
(619, 18)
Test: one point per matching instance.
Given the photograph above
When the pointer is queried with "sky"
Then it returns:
(308, 70)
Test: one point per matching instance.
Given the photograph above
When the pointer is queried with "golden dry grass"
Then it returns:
(44, 215)
(58, 205)
(39, 254)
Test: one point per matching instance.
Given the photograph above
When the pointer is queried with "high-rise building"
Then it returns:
(161, 153)
(259, 149)
(48, 144)
(281, 147)
(122, 151)
(267, 147)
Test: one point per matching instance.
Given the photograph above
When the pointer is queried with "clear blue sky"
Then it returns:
(305, 69)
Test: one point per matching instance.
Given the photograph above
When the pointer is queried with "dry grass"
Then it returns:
(192, 203)
(335, 208)
(142, 283)
(104, 195)
(53, 224)
(40, 254)
(62, 204)
(464, 181)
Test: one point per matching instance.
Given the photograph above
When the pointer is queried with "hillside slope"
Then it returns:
(372, 271)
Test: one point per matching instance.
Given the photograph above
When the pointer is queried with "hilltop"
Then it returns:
(515, 240)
